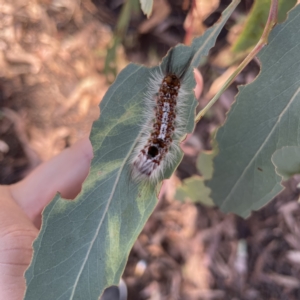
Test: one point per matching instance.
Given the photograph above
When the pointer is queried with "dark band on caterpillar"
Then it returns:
(164, 126)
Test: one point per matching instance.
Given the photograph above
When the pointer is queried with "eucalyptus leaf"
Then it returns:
(205, 161)
(205, 164)
(264, 118)
(84, 244)
(193, 189)
(287, 161)
(256, 21)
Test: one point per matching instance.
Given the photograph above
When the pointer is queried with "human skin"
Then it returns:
(21, 205)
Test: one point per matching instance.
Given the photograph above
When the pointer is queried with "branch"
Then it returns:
(272, 20)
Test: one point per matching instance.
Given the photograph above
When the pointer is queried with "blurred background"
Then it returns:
(57, 59)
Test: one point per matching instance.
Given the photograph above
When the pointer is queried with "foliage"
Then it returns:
(287, 161)
(84, 244)
(110, 68)
(193, 188)
(256, 21)
(264, 118)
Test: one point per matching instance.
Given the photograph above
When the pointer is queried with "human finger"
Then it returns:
(63, 173)
(17, 234)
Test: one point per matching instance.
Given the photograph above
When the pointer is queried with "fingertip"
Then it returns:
(84, 148)
(63, 173)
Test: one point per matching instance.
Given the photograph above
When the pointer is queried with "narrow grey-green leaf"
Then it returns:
(256, 20)
(264, 118)
(287, 161)
(84, 244)
(147, 6)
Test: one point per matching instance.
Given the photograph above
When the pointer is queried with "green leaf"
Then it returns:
(256, 21)
(147, 6)
(193, 189)
(205, 161)
(287, 161)
(205, 164)
(264, 118)
(110, 67)
(84, 244)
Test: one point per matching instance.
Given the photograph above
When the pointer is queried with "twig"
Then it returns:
(272, 20)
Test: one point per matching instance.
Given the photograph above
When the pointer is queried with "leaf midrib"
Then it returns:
(103, 217)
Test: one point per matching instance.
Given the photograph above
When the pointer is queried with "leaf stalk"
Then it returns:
(272, 20)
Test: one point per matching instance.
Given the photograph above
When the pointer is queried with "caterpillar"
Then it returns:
(164, 123)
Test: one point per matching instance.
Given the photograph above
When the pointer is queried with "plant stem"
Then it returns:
(110, 68)
(272, 20)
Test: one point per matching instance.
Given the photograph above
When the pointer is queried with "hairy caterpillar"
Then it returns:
(164, 123)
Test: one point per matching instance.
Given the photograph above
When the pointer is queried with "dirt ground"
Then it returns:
(52, 78)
